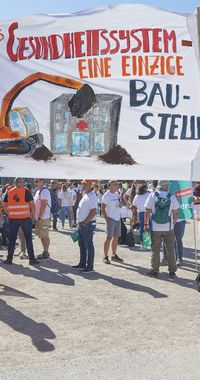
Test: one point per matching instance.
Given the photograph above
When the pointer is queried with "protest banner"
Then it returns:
(111, 92)
(183, 192)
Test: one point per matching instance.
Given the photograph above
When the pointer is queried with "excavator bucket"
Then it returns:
(82, 101)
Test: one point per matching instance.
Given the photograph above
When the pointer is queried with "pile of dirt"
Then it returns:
(117, 156)
(42, 153)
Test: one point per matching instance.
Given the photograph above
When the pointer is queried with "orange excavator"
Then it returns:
(19, 130)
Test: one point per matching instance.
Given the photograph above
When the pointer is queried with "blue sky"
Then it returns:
(16, 8)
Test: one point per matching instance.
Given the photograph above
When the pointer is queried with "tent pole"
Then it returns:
(195, 243)
(198, 23)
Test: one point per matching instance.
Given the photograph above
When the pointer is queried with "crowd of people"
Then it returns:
(149, 207)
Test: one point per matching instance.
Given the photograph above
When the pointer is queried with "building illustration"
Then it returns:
(92, 135)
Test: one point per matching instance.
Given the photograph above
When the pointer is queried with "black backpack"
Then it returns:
(122, 239)
(130, 240)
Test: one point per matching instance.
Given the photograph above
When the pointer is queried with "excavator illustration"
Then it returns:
(19, 130)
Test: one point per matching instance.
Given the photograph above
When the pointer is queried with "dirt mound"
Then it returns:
(117, 156)
(42, 153)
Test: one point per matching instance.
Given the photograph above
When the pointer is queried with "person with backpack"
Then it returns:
(162, 208)
(42, 201)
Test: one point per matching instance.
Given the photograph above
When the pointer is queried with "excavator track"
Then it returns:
(32, 145)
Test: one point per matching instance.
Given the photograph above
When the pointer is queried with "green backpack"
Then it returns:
(162, 206)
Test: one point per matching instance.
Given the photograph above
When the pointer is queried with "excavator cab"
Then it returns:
(22, 120)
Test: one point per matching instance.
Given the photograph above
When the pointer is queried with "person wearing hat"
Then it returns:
(86, 217)
(162, 207)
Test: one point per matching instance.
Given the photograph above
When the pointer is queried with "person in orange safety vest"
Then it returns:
(19, 206)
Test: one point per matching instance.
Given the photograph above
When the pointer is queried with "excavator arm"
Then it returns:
(79, 104)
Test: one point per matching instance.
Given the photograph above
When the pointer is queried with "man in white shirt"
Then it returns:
(86, 216)
(163, 207)
(42, 201)
(111, 211)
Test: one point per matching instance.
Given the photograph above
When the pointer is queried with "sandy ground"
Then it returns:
(116, 323)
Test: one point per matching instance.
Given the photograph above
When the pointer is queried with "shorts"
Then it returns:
(113, 228)
(42, 228)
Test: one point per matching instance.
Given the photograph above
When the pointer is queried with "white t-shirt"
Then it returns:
(112, 202)
(99, 197)
(150, 204)
(139, 201)
(43, 193)
(74, 196)
(126, 212)
(66, 198)
(86, 204)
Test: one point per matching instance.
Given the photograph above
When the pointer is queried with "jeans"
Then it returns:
(4, 237)
(179, 229)
(26, 226)
(141, 221)
(22, 241)
(86, 245)
(69, 214)
(55, 219)
(63, 211)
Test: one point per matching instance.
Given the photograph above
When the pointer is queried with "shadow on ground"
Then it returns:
(38, 332)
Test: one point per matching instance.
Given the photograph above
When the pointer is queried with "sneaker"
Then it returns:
(34, 262)
(116, 258)
(23, 255)
(7, 262)
(164, 261)
(43, 256)
(172, 274)
(179, 262)
(78, 266)
(17, 253)
(152, 273)
(106, 260)
(87, 270)
(55, 229)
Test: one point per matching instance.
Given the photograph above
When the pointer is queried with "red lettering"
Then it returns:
(11, 40)
(78, 43)
(105, 38)
(137, 40)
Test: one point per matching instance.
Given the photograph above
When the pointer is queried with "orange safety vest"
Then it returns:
(17, 207)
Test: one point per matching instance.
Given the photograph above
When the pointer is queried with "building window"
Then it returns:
(66, 115)
(65, 126)
(104, 119)
(99, 142)
(58, 126)
(58, 106)
(61, 143)
(58, 115)
(80, 143)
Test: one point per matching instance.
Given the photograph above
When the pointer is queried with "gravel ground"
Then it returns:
(116, 323)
